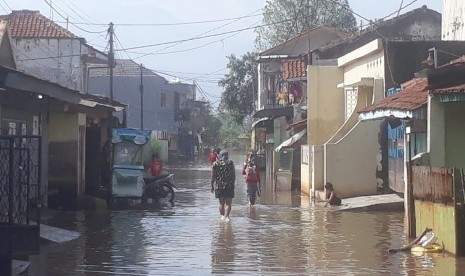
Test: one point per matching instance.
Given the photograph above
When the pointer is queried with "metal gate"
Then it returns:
(20, 202)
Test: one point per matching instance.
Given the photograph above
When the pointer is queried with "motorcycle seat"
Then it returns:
(153, 178)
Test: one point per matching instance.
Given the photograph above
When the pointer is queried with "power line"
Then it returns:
(80, 11)
(84, 30)
(202, 37)
(209, 31)
(193, 48)
(166, 24)
(6, 3)
(3, 8)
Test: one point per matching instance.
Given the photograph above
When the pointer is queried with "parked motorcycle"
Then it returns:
(158, 188)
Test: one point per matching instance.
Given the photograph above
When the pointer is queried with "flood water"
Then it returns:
(282, 235)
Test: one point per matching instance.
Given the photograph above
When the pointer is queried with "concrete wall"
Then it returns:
(454, 134)
(365, 62)
(305, 172)
(325, 103)
(63, 159)
(453, 20)
(33, 56)
(350, 164)
(436, 133)
(440, 218)
(126, 90)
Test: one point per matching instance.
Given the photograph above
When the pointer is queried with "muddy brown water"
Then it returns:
(282, 235)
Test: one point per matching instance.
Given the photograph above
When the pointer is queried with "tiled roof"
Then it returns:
(294, 68)
(32, 24)
(460, 88)
(414, 95)
(123, 67)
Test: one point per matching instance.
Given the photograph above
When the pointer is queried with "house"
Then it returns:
(453, 20)
(78, 126)
(350, 75)
(432, 107)
(45, 49)
(43, 144)
(166, 106)
(282, 82)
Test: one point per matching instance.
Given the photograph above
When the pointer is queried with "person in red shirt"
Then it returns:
(213, 156)
(252, 178)
(155, 166)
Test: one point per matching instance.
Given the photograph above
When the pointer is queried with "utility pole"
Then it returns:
(141, 88)
(111, 64)
(111, 60)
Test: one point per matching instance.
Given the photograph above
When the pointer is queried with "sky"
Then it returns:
(199, 53)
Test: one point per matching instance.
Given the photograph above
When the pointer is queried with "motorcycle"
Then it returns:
(130, 178)
(158, 188)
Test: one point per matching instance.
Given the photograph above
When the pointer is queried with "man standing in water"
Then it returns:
(223, 180)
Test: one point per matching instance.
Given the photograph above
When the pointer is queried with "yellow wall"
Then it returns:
(325, 103)
(455, 133)
(350, 164)
(436, 133)
(440, 218)
(63, 127)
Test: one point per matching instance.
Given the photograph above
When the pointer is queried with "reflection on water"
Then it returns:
(279, 236)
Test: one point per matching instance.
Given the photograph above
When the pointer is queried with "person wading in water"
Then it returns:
(223, 180)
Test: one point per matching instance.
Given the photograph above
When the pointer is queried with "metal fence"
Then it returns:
(20, 176)
(433, 184)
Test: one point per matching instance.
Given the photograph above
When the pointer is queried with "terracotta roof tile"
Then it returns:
(414, 95)
(32, 24)
(460, 88)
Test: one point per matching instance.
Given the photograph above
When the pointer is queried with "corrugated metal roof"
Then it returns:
(32, 24)
(414, 95)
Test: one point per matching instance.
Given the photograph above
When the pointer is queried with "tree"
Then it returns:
(297, 16)
(230, 132)
(207, 124)
(239, 87)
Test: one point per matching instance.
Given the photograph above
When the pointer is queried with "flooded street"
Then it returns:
(276, 237)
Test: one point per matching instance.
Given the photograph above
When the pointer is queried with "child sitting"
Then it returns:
(331, 197)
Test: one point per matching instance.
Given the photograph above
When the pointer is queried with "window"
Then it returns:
(162, 99)
(351, 101)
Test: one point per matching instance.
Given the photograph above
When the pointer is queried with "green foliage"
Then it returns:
(208, 125)
(153, 147)
(305, 15)
(230, 132)
(239, 87)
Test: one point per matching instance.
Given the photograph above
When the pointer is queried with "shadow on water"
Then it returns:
(282, 235)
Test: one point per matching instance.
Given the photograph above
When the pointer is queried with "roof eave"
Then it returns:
(383, 113)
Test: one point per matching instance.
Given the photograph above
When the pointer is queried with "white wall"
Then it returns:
(39, 58)
(453, 20)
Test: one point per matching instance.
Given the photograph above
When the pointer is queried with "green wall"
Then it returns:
(63, 159)
(455, 134)
(440, 218)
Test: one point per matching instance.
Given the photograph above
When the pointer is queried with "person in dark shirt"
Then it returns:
(331, 197)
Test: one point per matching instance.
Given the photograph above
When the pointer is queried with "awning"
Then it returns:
(19, 80)
(260, 120)
(275, 112)
(291, 141)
